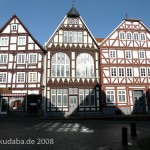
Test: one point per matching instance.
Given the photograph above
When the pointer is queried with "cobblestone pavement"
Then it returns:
(35, 134)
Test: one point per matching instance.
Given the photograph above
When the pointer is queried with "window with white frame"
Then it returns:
(59, 97)
(142, 36)
(113, 72)
(21, 40)
(72, 21)
(136, 36)
(112, 54)
(4, 41)
(85, 65)
(121, 96)
(128, 35)
(122, 35)
(60, 65)
(87, 98)
(32, 77)
(73, 37)
(20, 77)
(13, 26)
(3, 58)
(143, 72)
(121, 72)
(128, 54)
(142, 54)
(32, 58)
(21, 58)
(129, 72)
(3, 77)
(110, 96)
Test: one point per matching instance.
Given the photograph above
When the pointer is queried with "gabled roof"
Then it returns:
(73, 12)
(15, 16)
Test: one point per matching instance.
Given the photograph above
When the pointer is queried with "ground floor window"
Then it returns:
(59, 97)
(16, 103)
(86, 97)
(110, 96)
(121, 96)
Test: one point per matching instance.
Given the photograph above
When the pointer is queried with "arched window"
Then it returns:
(122, 36)
(136, 36)
(129, 36)
(84, 65)
(60, 65)
(142, 36)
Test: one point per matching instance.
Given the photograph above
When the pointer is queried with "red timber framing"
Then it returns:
(72, 69)
(125, 68)
(21, 67)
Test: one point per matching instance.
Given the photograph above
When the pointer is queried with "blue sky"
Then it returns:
(42, 17)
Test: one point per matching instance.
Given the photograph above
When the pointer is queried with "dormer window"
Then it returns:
(72, 21)
(13, 26)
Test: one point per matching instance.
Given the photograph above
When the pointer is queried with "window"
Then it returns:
(142, 54)
(13, 26)
(60, 65)
(85, 65)
(21, 40)
(121, 72)
(128, 54)
(32, 77)
(142, 35)
(129, 36)
(129, 72)
(21, 58)
(143, 72)
(73, 37)
(87, 98)
(3, 77)
(65, 36)
(136, 36)
(20, 77)
(32, 58)
(112, 54)
(110, 96)
(121, 96)
(59, 97)
(80, 37)
(122, 35)
(72, 21)
(113, 72)
(148, 72)
(4, 41)
(3, 58)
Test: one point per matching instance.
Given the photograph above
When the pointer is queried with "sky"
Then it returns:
(42, 17)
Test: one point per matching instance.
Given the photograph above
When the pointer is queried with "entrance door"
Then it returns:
(73, 105)
(3, 105)
(139, 104)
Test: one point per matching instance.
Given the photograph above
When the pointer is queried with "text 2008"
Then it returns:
(45, 141)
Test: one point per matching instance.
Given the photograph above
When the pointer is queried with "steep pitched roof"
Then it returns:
(73, 12)
(15, 16)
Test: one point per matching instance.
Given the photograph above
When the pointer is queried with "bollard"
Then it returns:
(124, 136)
(133, 129)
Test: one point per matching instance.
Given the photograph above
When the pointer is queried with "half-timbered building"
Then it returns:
(125, 68)
(21, 68)
(72, 69)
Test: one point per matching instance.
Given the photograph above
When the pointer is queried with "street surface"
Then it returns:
(28, 133)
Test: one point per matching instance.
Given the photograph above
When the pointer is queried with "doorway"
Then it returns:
(139, 104)
(73, 105)
(3, 105)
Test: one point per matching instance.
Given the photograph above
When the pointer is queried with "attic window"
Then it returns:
(72, 21)
(13, 26)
